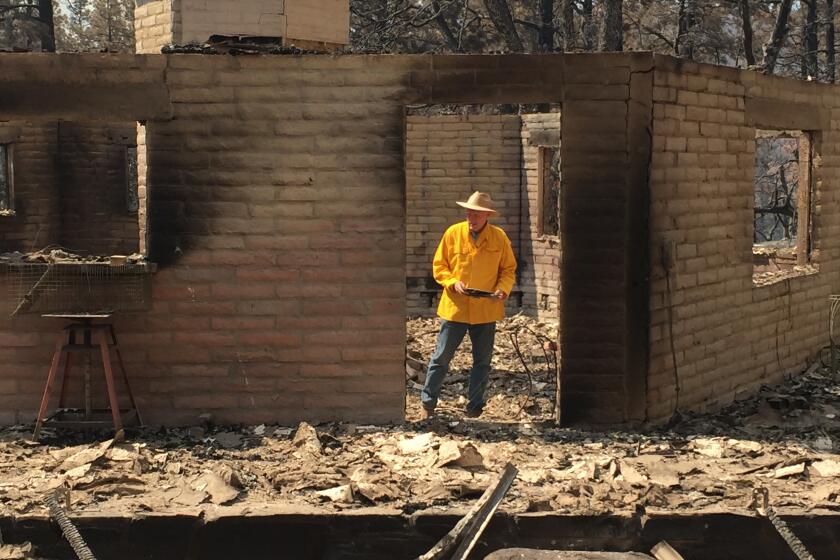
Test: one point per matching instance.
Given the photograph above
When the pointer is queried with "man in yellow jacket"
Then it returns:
(475, 265)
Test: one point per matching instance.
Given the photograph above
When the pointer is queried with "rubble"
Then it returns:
(15, 552)
(459, 454)
(52, 255)
(509, 386)
(784, 439)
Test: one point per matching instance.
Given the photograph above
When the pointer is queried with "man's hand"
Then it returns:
(499, 294)
(460, 288)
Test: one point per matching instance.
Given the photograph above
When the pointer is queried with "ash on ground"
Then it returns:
(516, 392)
(785, 438)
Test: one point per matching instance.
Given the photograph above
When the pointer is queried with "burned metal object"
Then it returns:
(59, 283)
(533, 554)
(85, 337)
(238, 45)
(761, 504)
(68, 529)
(833, 339)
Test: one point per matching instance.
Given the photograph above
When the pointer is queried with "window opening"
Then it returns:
(781, 204)
(6, 192)
(132, 199)
(549, 201)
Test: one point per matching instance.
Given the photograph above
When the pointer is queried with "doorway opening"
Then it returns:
(512, 153)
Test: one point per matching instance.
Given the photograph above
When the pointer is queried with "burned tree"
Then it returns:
(776, 180)
(27, 23)
(686, 21)
(589, 29)
(746, 27)
(612, 38)
(810, 67)
(502, 19)
(546, 30)
(830, 52)
(569, 29)
(780, 30)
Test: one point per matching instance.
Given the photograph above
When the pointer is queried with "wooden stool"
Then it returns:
(84, 337)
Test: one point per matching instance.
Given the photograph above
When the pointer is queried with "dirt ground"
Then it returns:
(512, 395)
(784, 439)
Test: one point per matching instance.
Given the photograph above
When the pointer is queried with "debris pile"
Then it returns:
(508, 397)
(61, 256)
(785, 439)
(16, 551)
(773, 276)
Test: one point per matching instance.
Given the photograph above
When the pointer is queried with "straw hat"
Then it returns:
(478, 201)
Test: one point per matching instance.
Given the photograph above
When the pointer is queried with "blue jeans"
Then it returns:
(451, 334)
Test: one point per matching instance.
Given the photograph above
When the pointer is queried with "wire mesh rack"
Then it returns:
(75, 288)
(834, 332)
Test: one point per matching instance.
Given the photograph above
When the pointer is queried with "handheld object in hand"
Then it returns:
(478, 293)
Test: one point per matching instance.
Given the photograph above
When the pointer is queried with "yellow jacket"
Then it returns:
(486, 264)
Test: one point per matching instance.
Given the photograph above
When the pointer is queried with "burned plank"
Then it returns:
(467, 531)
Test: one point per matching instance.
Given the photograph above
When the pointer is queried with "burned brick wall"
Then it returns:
(69, 183)
(603, 237)
(276, 209)
(716, 331)
(34, 221)
(540, 227)
(276, 204)
(98, 201)
(447, 158)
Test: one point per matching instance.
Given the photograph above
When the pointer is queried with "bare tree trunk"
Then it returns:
(569, 30)
(445, 30)
(110, 25)
(588, 27)
(8, 29)
(771, 51)
(811, 40)
(684, 45)
(546, 32)
(45, 16)
(746, 26)
(499, 12)
(830, 52)
(612, 38)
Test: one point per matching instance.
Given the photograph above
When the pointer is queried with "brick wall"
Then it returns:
(276, 206)
(326, 21)
(142, 190)
(92, 180)
(203, 18)
(447, 158)
(157, 23)
(309, 24)
(540, 273)
(606, 116)
(36, 221)
(729, 335)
